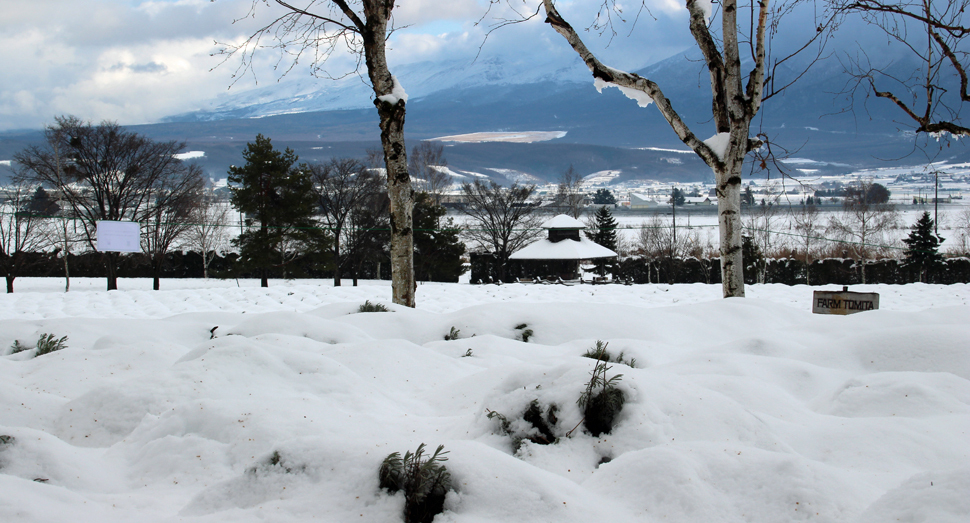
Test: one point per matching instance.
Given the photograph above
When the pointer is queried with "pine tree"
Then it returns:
(605, 228)
(42, 205)
(604, 234)
(677, 197)
(278, 202)
(437, 247)
(923, 246)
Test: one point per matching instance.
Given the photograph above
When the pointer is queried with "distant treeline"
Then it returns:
(789, 271)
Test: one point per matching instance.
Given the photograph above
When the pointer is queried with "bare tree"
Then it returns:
(104, 172)
(210, 228)
(808, 225)
(367, 232)
(343, 187)
(65, 235)
(361, 27)
(658, 241)
(861, 225)
(426, 164)
(21, 230)
(737, 95)
(170, 215)
(932, 32)
(569, 196)
(502, 218)
(759, 221)
(961, 244)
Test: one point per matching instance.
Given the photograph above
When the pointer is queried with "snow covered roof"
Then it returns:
(584, 249)
(564, 221)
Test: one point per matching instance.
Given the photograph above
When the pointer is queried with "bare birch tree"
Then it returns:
(737, 94)
(314, 33)
(210, 229)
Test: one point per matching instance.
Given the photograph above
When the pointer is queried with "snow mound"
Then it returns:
(735, 410)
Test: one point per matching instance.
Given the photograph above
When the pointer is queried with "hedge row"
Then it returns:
(837, 271)
(180, 264)
(485, 268)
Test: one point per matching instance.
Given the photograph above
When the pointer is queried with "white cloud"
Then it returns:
(417, 12)
(138, 61)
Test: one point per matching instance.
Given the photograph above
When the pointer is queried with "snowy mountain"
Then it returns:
(293, 95)
(320, 118)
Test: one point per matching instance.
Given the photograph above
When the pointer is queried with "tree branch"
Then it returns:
(629, 80)
(348, 12)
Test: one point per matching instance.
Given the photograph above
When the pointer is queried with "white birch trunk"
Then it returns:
(729, 227)
(733, 106)
(399, 190)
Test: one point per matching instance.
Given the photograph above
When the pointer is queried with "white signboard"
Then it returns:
(119, 237)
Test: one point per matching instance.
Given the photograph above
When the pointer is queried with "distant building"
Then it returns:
(639, 201)
(698, 200)
(559, 254)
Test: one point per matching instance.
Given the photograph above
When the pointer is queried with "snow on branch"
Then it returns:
(641, 98)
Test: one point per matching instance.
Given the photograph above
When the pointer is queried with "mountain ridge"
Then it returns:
(602, 130)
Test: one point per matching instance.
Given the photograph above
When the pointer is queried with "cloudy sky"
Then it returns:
(135, 61)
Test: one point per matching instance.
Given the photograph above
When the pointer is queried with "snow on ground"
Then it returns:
(518, 137)
(737, 410)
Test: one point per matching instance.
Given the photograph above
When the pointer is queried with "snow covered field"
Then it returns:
(737, 410)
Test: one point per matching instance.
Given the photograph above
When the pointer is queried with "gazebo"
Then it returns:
(559, 254)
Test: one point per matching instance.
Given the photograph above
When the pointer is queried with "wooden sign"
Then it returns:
(844, 302)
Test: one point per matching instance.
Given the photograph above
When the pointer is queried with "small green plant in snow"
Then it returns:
(525, 332)
(601, 401)
(424, 480)
(371, 307)
(46, 344)
(600, 353)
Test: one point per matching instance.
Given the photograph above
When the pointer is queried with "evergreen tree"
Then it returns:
(747, 198)
(923, 246)
(754, 260)
(437, 247)
(604, 234)
(677, 197)
(604, 197)
(42, 205)
(278, 201)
